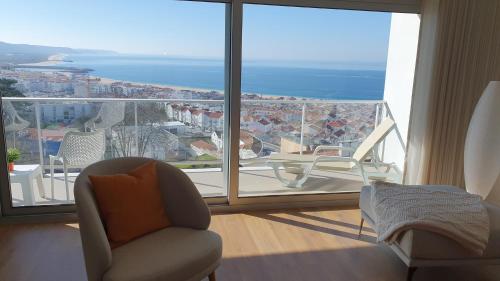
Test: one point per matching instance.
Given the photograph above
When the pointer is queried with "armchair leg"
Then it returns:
(411, 271)
(361, 227)
(211, 276)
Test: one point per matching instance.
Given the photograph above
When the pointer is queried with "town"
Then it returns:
(176, 124)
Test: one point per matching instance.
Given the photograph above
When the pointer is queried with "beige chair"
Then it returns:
(419, 248)
(186, 251)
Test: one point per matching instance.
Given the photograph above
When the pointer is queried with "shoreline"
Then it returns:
(106, 80)
(54, 60)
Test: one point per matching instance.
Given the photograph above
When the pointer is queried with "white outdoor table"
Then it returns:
(25, 175)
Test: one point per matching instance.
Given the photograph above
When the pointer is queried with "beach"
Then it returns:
(52, 60)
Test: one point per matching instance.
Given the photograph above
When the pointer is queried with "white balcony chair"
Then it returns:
(12, 121)
(110, 114)
(77, 150)
(302, 165)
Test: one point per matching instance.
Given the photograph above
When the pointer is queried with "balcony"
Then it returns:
(189, 134)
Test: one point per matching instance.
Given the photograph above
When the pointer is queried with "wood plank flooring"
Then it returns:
(293, 245)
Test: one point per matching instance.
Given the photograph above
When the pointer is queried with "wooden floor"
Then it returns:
(302, 245)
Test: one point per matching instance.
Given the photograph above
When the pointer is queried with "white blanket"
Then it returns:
(457, 215)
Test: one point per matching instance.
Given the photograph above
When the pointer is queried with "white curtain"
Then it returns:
(459, 53)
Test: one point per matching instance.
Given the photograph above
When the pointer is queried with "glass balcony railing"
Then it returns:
(60, 136)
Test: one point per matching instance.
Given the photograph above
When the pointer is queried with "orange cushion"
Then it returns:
(130, 204)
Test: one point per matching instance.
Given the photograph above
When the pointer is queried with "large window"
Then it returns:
(312, 93)
(85, 81)
(312, 89)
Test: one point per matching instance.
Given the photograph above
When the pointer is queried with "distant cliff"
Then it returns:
(24, 53)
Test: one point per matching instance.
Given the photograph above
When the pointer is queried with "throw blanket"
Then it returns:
(457, 215)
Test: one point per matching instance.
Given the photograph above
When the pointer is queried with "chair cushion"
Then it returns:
(420, 244)
(130, 204)
(173, 253)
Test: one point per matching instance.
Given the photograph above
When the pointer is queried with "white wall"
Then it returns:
(403, 42)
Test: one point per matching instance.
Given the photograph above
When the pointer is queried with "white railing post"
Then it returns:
(302, 128)
(377, 108)
(39, 132)
(378, 120)
(383, 142)
(136, 130)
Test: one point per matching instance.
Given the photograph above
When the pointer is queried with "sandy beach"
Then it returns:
(180, 88)
(51, 61)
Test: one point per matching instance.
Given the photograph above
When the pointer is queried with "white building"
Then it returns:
(67, 113)
(214, 120)
(173, 111)
(81, 90)
(186, 115)
(174, 127)
(197, 117)
(218, 139)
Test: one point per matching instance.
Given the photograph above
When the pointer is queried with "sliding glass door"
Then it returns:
(81, 83)
(312, 92)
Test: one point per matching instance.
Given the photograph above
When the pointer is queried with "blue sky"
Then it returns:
(193, 29)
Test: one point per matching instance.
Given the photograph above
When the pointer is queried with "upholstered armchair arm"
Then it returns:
(183, 203)
(97, 251)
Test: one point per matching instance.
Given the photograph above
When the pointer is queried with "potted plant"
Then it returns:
(13, 154)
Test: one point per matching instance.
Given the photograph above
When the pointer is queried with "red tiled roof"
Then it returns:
(196, 112)
(214, 115)
(204, 145)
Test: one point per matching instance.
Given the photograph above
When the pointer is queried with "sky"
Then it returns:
(194, 29)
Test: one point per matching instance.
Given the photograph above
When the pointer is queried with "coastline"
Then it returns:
(105, 80)
(54, 60)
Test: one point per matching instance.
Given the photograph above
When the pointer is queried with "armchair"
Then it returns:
(186, 251)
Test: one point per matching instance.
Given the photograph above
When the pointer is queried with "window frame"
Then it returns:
(232, 105)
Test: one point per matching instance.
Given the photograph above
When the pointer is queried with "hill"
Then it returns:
(25, 53)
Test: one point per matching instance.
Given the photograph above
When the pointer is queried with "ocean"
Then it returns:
(265, 79)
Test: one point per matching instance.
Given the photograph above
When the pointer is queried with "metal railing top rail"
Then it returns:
(66, 99)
